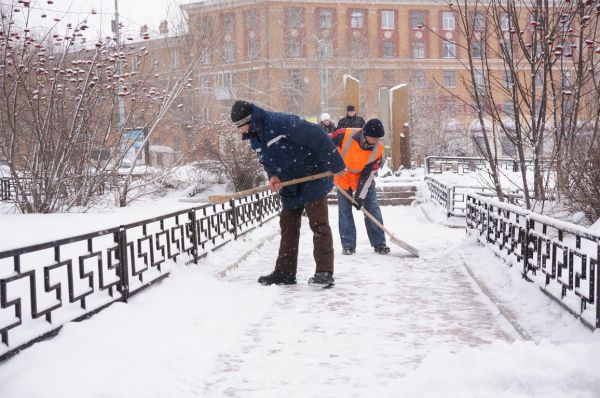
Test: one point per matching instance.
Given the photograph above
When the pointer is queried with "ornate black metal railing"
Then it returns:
(560, 257)
(46, 285)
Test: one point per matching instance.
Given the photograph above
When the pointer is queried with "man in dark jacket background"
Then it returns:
(351, 121)
(289, 147)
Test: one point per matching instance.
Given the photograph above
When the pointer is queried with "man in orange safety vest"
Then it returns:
(362, 152)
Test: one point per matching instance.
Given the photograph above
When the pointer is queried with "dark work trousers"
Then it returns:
(290, 221)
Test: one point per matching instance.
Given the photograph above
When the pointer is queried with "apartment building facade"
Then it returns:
(292, 55)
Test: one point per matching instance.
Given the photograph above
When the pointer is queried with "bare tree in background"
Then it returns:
(531, 71)
(61, 129)
(432, 119)
(237, 159)
(58, 106)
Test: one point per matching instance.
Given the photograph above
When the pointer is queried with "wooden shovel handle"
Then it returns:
(218, 199)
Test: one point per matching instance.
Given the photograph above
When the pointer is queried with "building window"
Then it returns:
(296, 87)
(253, 48)
(135, 64)
(228, 22)
(325, 48)
(229, 52)
(505, 23)
(506, 49)
(508, 107)
(477, 49)
(326, 78)
(479, 21)
(205, 84)
(175, 59)
(226, 80)
(479, 79)
(357, 19)
(387, 19)
(418, 49)
(417, 19)
(419, 79)
(539, 81)
(389, 49)
(206, 113)
(294, 18)
(206, 26)
(449, 50)
(448, 21)
(326, 19)
(294, 48)
(449, 79)
(252, 20)
(508, 147)
(508, 81)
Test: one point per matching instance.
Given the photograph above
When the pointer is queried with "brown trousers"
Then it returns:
(290, 221)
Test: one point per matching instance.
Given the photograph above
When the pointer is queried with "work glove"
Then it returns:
(359, 203)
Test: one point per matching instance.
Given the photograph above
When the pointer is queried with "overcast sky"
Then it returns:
(134, 13)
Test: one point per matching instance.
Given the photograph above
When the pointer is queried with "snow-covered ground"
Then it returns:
(453, 323)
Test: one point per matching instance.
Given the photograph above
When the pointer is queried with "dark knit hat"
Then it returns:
(350, 108)
(241, 112)
(374, 128)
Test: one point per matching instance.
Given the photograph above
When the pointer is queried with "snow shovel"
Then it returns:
(218, 199)
(393, 238)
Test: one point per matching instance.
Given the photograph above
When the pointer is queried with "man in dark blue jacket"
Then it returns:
(289, 147)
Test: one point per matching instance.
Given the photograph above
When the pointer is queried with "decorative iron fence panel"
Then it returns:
(8, 190)
(561, 258)
(46, 285)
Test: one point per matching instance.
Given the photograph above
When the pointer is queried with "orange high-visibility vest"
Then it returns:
(356, 159)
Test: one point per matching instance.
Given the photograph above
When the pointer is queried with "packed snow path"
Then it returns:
(204, 332)
(384, 315)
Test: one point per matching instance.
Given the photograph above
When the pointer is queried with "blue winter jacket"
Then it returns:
(289, 147)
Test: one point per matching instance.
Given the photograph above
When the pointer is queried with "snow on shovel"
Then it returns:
(218, 199)
(393, 238)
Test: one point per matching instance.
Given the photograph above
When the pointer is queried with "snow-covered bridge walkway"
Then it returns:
(393, 326)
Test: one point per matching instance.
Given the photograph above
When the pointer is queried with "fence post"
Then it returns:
(260, 212)
(234, 220)
(598, 288)
(450, 201)
(526, 248)
(194, 236)
(487, 223)
(124, 263)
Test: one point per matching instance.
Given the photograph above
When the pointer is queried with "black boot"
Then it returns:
(348, 252)
(278, 278)
(322, 279)
(381, 249)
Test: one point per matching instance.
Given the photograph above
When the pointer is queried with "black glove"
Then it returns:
(359, 203)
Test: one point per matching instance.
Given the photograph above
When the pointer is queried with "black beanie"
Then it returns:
(350, 108)
(374, 128)
(241, 112)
